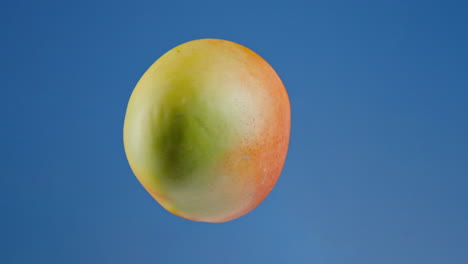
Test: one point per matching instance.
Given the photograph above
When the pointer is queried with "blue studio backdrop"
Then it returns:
(377, 170)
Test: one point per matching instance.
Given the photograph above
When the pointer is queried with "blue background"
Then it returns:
(377, 170)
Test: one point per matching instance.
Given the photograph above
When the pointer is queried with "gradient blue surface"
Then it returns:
(377, 170)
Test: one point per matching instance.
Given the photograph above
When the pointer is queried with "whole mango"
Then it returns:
(206, 130)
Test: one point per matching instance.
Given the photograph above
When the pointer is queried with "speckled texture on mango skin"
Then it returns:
(207, 129)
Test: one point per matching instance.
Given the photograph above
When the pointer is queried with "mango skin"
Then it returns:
(206, 130)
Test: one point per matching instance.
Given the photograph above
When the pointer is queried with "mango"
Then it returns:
(207, 129)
